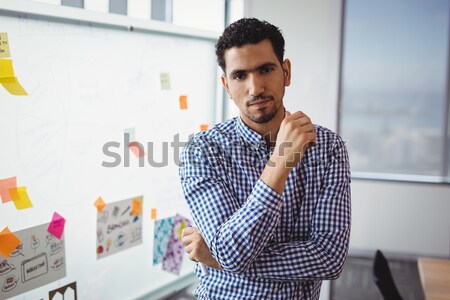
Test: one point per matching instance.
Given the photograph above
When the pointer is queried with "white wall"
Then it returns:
(393, 216)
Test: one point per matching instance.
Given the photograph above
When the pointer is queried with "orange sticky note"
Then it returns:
(136, 207)
(153, 214)
(5, 185)
(203, 127)
(183, 102)
(20, 197)
(137, 149)
(56, 226)
(100, 204)
(8, 242)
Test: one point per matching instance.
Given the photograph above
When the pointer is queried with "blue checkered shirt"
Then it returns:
(270, 246)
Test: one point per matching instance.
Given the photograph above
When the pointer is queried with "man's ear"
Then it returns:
(287, 72)
(223, 78)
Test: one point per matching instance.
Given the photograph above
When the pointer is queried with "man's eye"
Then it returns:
(266, 69)
(239, 76)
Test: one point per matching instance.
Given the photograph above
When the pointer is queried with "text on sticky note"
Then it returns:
(56, 226)
(4, 45)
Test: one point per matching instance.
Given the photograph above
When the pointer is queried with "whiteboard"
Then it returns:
(88, 83)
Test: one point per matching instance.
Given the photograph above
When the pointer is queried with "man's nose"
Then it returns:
(256, 85)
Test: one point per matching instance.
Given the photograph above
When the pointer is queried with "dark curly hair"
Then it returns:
(249, 31)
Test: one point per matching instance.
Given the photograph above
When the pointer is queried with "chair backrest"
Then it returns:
(383, 278)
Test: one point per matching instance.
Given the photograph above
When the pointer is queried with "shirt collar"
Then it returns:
(249, 136)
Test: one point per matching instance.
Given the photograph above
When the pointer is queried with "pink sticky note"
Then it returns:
(5, 185)
(136, 148)
(56, 226)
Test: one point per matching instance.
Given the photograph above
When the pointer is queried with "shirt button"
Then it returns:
(280, 205)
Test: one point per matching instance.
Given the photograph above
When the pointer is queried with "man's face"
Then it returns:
(256, 80)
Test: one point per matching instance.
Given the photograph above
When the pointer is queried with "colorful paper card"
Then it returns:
(118, 228)
(175, 250)
(4, 45)
(203, 127)
(56, 226)
(5, 185)
(38, 260)
(20, 197)
(100, 204)
(8, 242)
(13, 86)
(183, 102)
(161, 238)
(165, 81)
(6, 68)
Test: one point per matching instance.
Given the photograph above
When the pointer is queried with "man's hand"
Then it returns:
(195, 246)
(296, 134)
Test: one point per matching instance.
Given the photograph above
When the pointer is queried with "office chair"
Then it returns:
(383, 278)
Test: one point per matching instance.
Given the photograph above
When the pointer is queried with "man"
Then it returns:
(268, 190)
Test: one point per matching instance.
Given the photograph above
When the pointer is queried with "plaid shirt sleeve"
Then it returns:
(322, 256)
(236, 234)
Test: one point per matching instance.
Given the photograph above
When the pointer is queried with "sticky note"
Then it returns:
(20, 197)
(136, 148)
(56, 226)
(136, 207)
(8, 242)
(153, 214)
(6, 68)
(180, 229)
(183, 102)
(100, 204)
(12, 85)
(131, 133)
(203, 127)
(165, 81)
(4, 45)
(5, 185)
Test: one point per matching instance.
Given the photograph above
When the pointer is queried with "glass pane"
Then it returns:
(202, 14)
(394, 85)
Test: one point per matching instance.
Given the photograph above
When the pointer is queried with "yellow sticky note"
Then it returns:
(203, 127)
(100, 204)
(180, 229)
(13, 86)
(153, 214)
(165, 81)
(6, 68)
(20, 197)
(136, 208)
(4, 45)
(183, 102)
(8, 242)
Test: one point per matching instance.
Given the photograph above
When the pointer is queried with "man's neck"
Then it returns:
(270, 129)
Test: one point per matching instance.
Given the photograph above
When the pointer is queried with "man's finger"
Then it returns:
(186, 240)
(188, 231)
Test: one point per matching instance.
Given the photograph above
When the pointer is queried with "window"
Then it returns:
(394, 101)
(202, 14)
